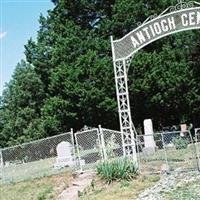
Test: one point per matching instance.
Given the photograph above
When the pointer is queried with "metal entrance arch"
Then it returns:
(181, 17)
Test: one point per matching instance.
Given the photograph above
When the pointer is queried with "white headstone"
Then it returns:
(64, 155)
(149, 142)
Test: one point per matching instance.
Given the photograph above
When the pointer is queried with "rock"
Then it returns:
(81, 181)
(165, 169)
(166, 184)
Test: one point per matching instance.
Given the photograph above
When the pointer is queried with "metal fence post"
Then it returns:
(73, 144)
(165, 150)
(194, 149)
(198, 156)
(100, 145)
(102, 142)
(197, 147)
(1, 158)
(1, 165)
(195, 144)
(78, 152)
(138, 153)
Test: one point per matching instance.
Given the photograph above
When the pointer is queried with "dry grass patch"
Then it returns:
(118, 190)
(38, 189)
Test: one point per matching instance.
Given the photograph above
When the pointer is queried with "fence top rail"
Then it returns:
(87, 131)
(163, 133)
(114, 131)
(35, 141)
(170, 132)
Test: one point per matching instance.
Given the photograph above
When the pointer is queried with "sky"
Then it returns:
(18, 23)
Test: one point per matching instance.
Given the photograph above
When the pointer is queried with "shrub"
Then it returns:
(180, 142)
(117, 169)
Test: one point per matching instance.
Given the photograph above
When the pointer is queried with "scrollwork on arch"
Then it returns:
(183, 5)
(179, 6)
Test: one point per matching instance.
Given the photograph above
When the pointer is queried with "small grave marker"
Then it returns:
(64, 155)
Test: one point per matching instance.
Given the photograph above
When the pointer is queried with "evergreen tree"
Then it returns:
(69, 81)
(20, 106)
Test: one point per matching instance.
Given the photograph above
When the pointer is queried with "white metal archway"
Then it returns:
(181, 17)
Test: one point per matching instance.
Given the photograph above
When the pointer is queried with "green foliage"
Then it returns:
(44, 194)
(69, 80)
(21, 101)
(183, 119)
(117, 169)
(180, 142)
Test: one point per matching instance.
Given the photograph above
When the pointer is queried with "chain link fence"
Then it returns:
(97, 145)
(32, 160)
(181, 152)
(156, 153)
(88, 148)
(113, 144)
(151, 153)
(167, 151)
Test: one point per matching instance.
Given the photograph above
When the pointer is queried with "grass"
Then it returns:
(47, 188)
(36, 169)
(26, 171)
(187, 191)
(183, 158)
(173, 154)
(118, 190)
(177, 158)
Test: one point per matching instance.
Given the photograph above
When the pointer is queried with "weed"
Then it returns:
(117, 169)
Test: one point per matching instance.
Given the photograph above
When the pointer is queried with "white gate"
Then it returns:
(95, 145)
(88, 148)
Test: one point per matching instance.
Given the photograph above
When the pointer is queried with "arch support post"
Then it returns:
(126, 125)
